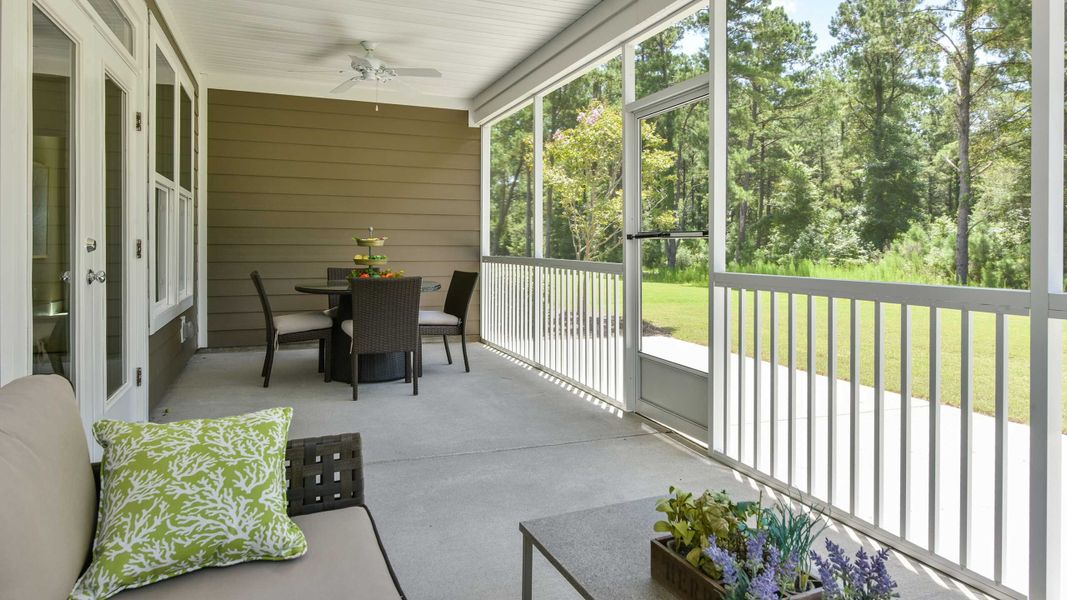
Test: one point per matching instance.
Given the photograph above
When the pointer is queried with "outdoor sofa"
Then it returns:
(50, 491)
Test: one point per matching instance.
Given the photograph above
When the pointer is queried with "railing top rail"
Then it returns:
(1015, 302)
(558, 263)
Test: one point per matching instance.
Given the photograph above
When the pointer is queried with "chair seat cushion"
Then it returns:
(437, 317)
(332, 312)
(343, 560)
(303, 321)
(346, 326)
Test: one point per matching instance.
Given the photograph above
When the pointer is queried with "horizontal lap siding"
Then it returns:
(292, 179)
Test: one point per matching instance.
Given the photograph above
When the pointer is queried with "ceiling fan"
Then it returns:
(371, 68)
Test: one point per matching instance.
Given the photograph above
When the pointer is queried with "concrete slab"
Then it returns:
(452, 472)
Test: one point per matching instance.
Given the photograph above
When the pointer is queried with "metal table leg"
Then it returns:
(527, 568)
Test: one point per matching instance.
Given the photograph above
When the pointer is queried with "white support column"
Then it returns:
(539, 224)
(717, 323)
(539, 175)
(631, 166)
(201, 218)
(483, 241)
(1046, 277)
(487, 136)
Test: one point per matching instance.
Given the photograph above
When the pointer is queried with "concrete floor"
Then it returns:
(450, 473)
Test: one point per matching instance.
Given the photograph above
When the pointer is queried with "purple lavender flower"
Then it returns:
(882, 585)
(754, 547)
(830, 588)
(764, 586)
(724, 560)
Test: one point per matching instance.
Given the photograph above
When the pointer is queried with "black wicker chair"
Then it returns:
(453, 319)
(336, 274)
(296, 327)
(385, 318)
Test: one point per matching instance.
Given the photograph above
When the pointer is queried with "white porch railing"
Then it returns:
(918, 473)
(562, 316)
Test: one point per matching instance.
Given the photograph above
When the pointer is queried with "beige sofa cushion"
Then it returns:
(49, 498)
(343, 561)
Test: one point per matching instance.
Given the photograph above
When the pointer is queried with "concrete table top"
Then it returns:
(603, 552)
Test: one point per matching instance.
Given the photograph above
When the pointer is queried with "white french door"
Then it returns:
(89, 301)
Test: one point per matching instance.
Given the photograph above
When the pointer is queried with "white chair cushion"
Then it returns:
(437, 317)
(346, 326)
(305, 321)
(332, 312)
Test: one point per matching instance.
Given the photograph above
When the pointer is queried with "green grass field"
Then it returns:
(683, 309)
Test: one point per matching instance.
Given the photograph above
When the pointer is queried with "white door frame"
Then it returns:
(97, 50)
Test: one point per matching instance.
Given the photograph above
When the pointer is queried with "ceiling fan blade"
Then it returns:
(410, 72)
(338, 71)
(345, 85)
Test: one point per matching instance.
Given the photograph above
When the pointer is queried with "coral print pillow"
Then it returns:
(183, 496)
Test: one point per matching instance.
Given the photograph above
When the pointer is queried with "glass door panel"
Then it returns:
(115, 233)
(674, 301)
(52, 199)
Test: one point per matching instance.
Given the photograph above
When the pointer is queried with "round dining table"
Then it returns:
(373, 368)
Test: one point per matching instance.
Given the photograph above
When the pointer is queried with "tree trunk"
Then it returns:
(965, 66)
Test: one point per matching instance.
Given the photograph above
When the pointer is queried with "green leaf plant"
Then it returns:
(692, 521)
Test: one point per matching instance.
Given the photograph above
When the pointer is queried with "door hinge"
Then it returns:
(140, 248)
(138, 121)
(140, 377)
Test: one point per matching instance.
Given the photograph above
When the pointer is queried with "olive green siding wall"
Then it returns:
(292, 179)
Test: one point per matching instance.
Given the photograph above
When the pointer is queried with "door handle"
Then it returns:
(92, 276)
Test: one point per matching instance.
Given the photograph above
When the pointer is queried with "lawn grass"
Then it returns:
(683, 309)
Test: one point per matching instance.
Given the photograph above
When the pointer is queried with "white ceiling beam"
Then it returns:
(597, 32)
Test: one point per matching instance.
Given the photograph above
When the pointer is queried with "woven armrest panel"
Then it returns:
(324, 473)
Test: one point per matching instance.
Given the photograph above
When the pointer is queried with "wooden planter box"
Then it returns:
(689, 583)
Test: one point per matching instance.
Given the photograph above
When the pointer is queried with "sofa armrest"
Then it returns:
(322, 473)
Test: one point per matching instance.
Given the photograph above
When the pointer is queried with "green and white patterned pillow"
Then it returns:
(182, 496)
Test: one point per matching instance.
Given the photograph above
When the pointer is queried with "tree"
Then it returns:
(882, 54)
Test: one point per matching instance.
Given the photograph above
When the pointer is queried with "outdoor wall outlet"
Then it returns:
(181, 329)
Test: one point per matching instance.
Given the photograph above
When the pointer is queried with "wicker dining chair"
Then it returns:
(385, 318)
(295, 327)
(453, 319)
(336, 274)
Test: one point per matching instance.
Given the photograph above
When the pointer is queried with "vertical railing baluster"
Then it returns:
(726, 372)
(774, 384)
(757, 382)
(1000, 488)
(854, 411)
(879, 410)
(905, 418)
(934, 421)
(791, 406)
(741, 374)
(831, 399)
(811, 394)
(966, 423)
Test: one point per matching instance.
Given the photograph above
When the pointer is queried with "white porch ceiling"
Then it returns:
(257, 45)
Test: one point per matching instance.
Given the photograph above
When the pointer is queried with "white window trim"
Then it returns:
(176, 301)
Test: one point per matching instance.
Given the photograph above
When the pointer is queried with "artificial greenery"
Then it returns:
(693, 521)
(793, 532)
(744, 544)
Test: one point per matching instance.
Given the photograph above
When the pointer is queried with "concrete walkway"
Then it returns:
(450, 473)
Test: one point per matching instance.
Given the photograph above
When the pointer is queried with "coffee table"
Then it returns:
(602, 552)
